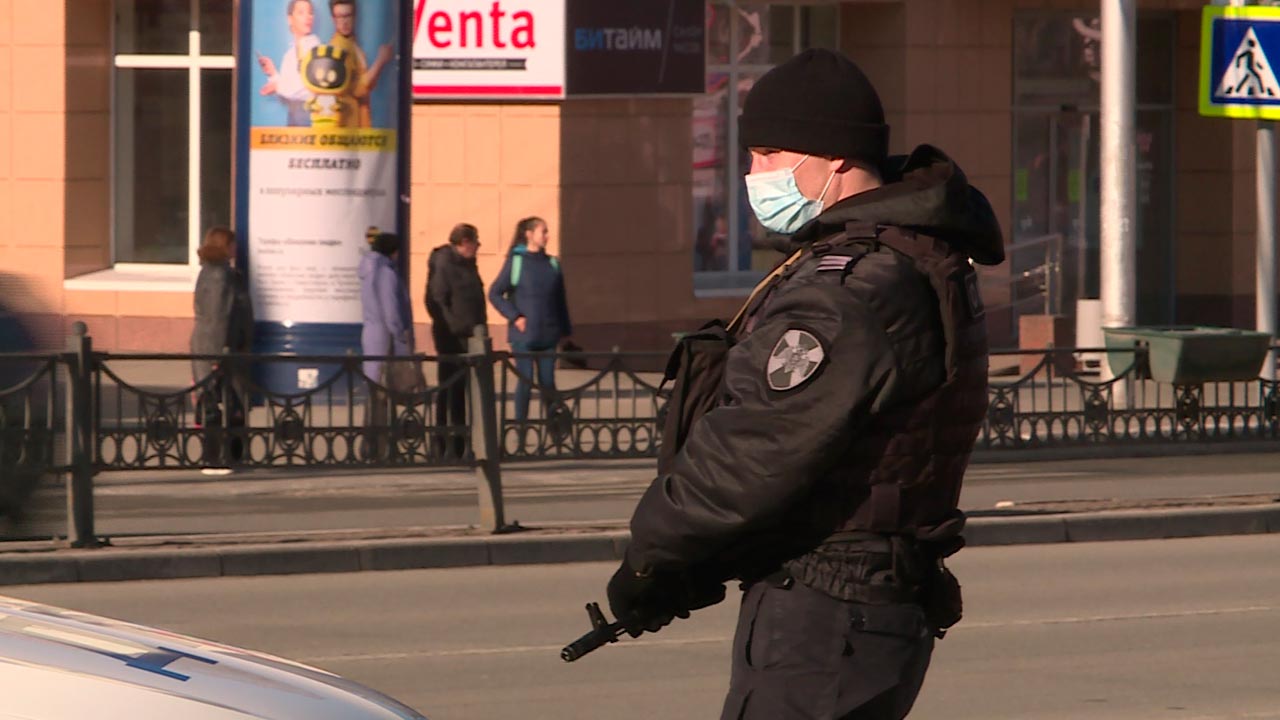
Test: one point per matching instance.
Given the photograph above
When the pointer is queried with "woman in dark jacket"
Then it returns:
(223, 323)
(529, 292)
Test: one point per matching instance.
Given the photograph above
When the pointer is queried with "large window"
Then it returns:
(171, 151)
(745, 39)
(1056, 177)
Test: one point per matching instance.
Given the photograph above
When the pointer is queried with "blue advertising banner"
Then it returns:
(322, 104)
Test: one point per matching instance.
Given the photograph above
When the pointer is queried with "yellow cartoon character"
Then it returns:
(326, 73)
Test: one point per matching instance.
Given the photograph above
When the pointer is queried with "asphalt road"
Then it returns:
(1155, 629)
(181, 502)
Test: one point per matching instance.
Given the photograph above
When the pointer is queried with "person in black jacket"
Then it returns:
(827, 474)
(529, 292)
(455, 303)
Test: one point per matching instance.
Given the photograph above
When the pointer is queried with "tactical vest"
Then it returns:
(921, 451)
(902, 475)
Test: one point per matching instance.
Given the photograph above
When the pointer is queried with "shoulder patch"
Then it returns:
(834, 263)
(795, 359)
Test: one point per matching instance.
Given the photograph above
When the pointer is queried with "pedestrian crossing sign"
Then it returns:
(1237, 79)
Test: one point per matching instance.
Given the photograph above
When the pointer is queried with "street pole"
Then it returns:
(485, 434)
(1265, 280)
(1119, 179)
(1265, 255)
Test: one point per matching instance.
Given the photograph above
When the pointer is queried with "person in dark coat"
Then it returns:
(826, 474)
(455, 302)
(223, 323)
(529, 292)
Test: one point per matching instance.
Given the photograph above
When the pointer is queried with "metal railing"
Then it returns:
(230, 418)
(77, 413)
(610, 411)
(1049, 406)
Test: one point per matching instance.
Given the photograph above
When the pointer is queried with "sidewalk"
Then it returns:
(576, 512)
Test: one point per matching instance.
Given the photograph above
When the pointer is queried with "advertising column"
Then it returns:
(322, 102)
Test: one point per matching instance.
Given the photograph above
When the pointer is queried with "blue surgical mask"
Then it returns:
(777, 201)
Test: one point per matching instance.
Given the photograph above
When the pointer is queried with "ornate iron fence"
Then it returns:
(611, 410)
(229, 418)
(78, 413)
(32, 400)
(1054, 405)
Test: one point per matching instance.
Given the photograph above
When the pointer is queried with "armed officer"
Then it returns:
(814, 449)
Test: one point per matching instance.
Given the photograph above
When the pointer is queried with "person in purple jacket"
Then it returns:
(388, 320)
(529, 292)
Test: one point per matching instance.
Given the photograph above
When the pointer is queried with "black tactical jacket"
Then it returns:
(832, 351)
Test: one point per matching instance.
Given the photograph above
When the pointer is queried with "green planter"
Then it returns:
(1191, 355)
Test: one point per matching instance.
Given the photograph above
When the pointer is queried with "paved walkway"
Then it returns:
(182, 524)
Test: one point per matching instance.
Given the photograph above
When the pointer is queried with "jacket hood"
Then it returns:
(370, 262)
(927, 192)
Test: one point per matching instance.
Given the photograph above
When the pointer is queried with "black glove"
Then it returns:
(646, 602)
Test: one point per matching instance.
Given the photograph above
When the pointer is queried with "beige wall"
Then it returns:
(943, 69)
(613, 179)
(54, 140)
(488, 165)
(612, 176)
(32, 157)
(627, 213)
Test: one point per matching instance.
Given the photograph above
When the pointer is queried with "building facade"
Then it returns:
(116, 135)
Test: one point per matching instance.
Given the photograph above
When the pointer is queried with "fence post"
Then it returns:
(484, 430)
(80, 531)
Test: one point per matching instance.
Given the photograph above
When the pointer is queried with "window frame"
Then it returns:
(195, 62)
(737, 283)
(1019, 109)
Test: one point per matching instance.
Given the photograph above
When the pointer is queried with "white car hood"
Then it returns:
(59, 664)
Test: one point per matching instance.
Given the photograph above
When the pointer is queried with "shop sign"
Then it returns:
(635, 47)
(488, 49)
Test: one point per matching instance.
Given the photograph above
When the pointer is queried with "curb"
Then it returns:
(985, 456)
(112, 564)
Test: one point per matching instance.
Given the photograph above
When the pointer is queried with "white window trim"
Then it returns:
(145, 277)
(163, 277)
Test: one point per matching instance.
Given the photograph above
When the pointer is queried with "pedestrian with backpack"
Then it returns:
(529, 292)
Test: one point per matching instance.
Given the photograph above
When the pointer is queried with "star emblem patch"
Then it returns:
(795, 358)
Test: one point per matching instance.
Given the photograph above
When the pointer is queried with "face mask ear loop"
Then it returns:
(825, 188)
(797, 165)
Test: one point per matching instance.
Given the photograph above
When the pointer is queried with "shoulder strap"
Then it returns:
(517, 264)
(555, 263)
(760, 287)
(852, 231)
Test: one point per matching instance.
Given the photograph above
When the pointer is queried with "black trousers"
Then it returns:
(801, 654)
(451, 403)
(223, 442)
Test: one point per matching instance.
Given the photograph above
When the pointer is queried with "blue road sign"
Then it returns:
(1237, 78)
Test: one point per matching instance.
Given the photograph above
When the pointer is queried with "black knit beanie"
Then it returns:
(818, 102)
